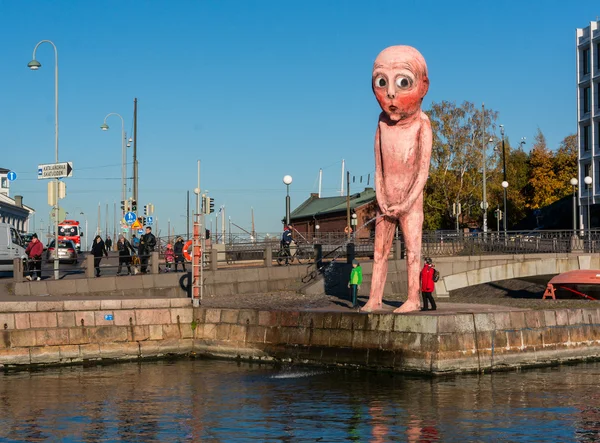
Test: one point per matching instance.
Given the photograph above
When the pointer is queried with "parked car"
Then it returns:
(10, 247)
(67, 252)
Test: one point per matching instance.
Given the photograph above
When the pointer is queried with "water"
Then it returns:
(212, 401)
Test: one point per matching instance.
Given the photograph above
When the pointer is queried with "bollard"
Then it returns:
(214, 259)
(268, 256)
(318, 256)
(154, 262)
(89, 266)
(398, 252)
(350, 253)
(17, 269)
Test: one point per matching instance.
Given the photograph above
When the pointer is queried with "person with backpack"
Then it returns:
(428, 284)
(125, 253)
(355, 281)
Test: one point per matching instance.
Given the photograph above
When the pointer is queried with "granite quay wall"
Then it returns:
(79, 331)
(74, 332)
(430, 344)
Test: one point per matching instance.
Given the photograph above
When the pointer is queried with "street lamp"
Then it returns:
(34, 65)
(287, 180)
(484, 204)
(574, 183)
(86, 230)
(104, 127)
(505, 187)
(588, 181)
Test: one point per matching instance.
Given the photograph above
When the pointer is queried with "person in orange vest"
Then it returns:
(427, 285)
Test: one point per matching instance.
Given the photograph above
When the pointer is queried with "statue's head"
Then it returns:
(400, 81)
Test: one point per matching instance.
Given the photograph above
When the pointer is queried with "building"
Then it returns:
(588, 121)
(329, 215)
(12, 210)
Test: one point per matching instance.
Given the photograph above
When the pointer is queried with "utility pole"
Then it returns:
(135, 162)
(188, 215)
(253, 231)
(348, 227)
(483, 149)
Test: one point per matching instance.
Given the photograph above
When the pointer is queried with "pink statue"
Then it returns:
(402, 153)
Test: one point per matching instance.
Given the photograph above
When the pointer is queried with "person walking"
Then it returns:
(34, 251)
(125, 253)
(427, 285)
(169, 257)
(178, 249)
(355, 281)
(98, 250)
(286, 241)
(147, 245)
(108, 243)
(135, 242)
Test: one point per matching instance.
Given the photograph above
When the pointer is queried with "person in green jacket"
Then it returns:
(355, 281)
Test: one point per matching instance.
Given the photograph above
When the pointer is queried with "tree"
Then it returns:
(565, 165)
(543, 182)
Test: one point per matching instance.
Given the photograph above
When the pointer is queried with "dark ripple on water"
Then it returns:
(216, 401)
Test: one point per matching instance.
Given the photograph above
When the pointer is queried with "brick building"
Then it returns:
(328, 215)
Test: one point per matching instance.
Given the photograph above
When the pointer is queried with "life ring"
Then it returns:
(187, 246)
(348, 230)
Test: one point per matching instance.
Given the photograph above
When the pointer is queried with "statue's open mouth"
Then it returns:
(393, 108)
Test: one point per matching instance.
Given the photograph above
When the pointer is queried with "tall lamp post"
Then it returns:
(574, 183)
(287, 180)
(588, 181)
(86, 230)
(34, 65)
(484, 203)
(504, 182)
(104, 127)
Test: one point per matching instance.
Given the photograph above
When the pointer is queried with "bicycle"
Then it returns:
(302, 253)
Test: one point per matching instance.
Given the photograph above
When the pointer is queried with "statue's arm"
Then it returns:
(379, 191)
(425, 144)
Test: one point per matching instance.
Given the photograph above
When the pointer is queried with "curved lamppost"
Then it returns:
(574, 182)
(287, 180)
(588, 181)
(34, 65)
(105, 127)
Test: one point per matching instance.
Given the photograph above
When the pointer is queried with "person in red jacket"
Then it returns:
(34, 251)
(427, 285)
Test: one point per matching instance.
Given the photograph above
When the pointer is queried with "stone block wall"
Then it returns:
(406, 343)
(75, 331)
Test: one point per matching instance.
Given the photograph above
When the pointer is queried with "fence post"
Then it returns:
(268, 255)
(350, 253)
(214, 259)
(89, 266)
(17, 269)
(154, 262)
(318, 256)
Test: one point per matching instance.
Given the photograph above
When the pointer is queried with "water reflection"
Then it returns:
(227, 402)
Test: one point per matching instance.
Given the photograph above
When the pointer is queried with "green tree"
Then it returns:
(565, 165)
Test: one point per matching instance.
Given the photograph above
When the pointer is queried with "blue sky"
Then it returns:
(257, 90)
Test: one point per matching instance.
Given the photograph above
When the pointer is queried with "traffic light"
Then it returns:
(133, 205)
(145, 209)
(144, 221)
(208, 205)
(122, 205)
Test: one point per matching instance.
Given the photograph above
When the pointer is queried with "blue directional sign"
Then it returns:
(150, 219)
(109, 317)
(12, 176)
(140, 231)
(130, 217)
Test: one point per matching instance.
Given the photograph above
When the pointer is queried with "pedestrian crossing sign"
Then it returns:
(136, 225)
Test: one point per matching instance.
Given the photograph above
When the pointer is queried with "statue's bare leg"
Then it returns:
(384, 235)
(412, 230)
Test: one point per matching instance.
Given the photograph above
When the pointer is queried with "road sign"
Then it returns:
(55, 170)
(150, 219)
(130, 217)
(140, 231)
(109, 317)
(12, 176)
(136, 225)
(487, 205)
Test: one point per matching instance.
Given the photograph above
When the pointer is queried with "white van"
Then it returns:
(11, 247)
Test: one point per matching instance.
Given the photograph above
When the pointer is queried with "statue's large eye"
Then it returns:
(380, 82)
(404, 82)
